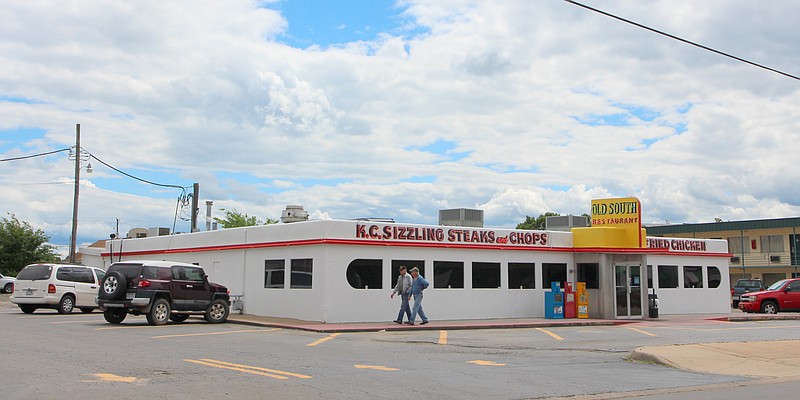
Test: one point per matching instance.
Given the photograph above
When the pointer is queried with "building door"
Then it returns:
(628, 291)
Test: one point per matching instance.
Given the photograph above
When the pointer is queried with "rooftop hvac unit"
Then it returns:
(461, 217)
(565, 222)
(157, 232)
(294, 214)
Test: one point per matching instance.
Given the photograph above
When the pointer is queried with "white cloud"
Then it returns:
(203, 92)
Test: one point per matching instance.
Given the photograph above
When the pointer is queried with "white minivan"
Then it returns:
(58, 286)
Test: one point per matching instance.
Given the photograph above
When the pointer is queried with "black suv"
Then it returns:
(161, 290)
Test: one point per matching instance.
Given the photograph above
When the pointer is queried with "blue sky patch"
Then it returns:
(13, 99)
(18, 137)
(421, 179)
(325, 23)
(509, 169)
(642, 113)
(604, 120)
(445, 148)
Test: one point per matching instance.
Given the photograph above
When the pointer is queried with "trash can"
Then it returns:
(653, 304)
(237, 303)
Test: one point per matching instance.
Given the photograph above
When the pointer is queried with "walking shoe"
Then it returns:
(409, 323)
(397, 321)
(423, 322)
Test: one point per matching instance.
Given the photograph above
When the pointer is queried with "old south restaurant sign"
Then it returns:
(449, 235)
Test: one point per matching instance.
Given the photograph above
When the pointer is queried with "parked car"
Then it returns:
(6, 284)
(59, 286)
(743, 286)
(783, 295)
(161, 290)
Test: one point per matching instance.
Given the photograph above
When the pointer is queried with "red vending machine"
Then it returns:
(569, 300)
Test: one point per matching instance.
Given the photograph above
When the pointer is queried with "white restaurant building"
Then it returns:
(344, 270)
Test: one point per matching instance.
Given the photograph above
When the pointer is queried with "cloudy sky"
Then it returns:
(397, 109)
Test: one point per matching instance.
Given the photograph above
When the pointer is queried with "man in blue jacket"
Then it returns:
(418, 284)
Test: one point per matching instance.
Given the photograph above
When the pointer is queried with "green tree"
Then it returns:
(235, 219)
(536, 223)
(21, 245)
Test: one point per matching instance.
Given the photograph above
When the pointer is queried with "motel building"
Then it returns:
(766, 249)
(344, 270)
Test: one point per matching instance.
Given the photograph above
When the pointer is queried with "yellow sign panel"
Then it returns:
(616, 223)
(622, 212)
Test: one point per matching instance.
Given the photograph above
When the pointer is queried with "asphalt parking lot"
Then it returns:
(81, 356)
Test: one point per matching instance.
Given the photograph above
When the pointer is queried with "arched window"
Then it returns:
(714, 277)
(365, 274)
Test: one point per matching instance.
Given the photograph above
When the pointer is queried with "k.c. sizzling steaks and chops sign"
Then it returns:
(449, 235)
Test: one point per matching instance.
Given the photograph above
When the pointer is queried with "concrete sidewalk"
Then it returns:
(772, 359)
(288, 323)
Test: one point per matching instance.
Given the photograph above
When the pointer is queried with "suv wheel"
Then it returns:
(217, 312)
(769, 307)
(159, 313)
(115, 315)
(8, 288)
(66, 304)
(113, 286)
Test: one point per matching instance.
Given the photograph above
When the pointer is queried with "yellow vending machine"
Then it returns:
(582, 303)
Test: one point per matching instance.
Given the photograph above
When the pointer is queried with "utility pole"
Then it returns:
(74, 237)
(195, 206)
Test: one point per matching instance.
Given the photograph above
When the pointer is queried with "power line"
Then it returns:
(183, 199)
(134, 177)
(34, 155)
(683, 40)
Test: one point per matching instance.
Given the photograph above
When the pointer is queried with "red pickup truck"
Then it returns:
(783, 295)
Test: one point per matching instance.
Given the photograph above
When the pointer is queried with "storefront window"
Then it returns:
(302, 272)
(692, 277)
(448, 275)
(588, 272)
(667, 276)
(365, 274)
(420, 264)
(554, 273)
(485, 275)
(521, 275)
(274, 271)
(714, 277)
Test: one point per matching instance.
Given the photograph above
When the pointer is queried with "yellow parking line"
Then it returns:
(323, 340)
(376, 367)
(208, 364)
(249, 367)
(642, 332)
(116, 378)
(443, 337)
(488, 363)
(213, 333)
(553, 335)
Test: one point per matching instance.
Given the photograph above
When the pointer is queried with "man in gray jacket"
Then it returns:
(403, 288)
